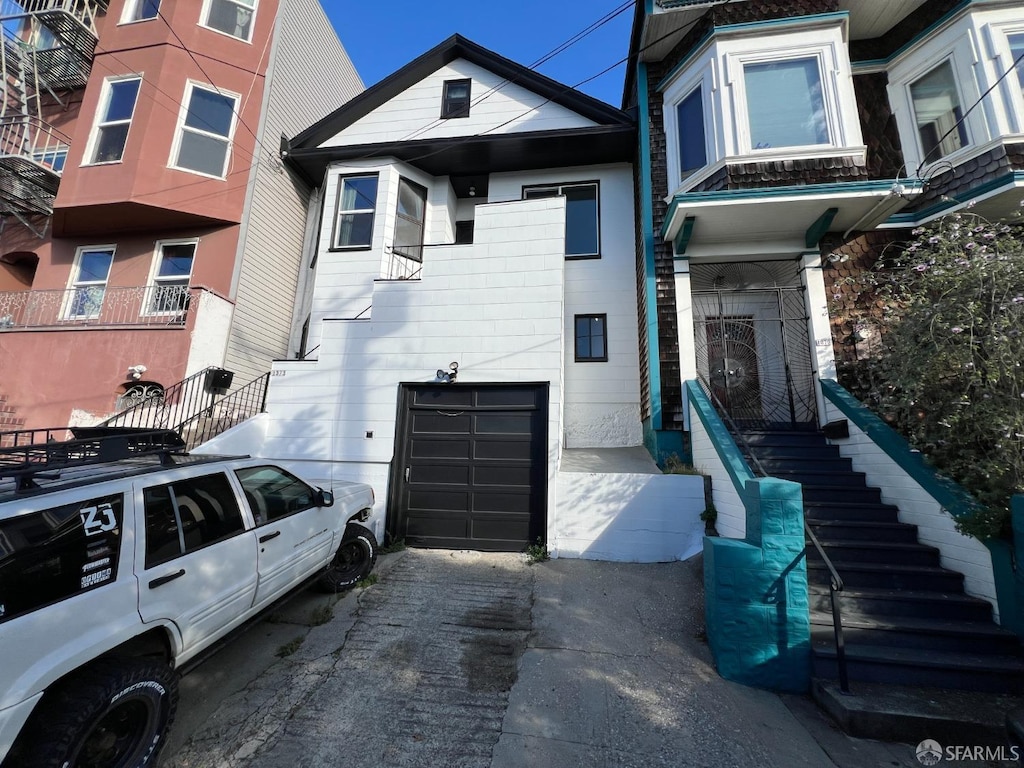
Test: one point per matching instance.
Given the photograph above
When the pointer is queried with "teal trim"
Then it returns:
(773, 24)
(756, 602)
(1008, 570)
(683, 238)
(819, 228)
(662, 444)
(730, 454)
(927, 32)
(769, 193)
(1011, 179)
(951, 496)
(647, 225)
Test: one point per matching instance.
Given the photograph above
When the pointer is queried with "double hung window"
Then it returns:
(169, 292)
(937, 113)
(412, 208)
(785, 104)
(117, 105)
(204, 132)
(582, 236)
(357, 203)
(232, 17)
(140, 10)
(88, 282)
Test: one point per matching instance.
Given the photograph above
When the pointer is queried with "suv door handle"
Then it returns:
(269, 536)
(164, 579)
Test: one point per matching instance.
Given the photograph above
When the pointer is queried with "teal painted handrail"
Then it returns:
(732, 459)
(948, 494)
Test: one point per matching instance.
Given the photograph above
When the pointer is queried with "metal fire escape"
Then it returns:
(47, 52)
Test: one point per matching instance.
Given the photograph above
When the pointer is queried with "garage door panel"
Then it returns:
(502, 475)
(456, 397)
(427, 500)
(435, 423)
(505, 424)
(440, 474)
(521, 450)
(471, 466)
(423, 448)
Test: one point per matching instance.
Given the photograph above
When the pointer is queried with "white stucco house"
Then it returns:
(470, 340)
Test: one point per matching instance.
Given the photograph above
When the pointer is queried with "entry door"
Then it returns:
(471, 466)
(733, 365)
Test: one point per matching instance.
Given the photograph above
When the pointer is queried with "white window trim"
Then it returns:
(678, 93)
(72, 284)
(338, 212)
(205, 14)
(736, 64)
(154, 270)
(102, 105)
(129, 8)
(1003, 59)
(179, 129)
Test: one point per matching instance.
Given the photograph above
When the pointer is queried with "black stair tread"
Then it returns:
(837, 546)
(866, 524)
(915, 624)
(908, 595)
(825, 505)
(922, 657)
(860, 566)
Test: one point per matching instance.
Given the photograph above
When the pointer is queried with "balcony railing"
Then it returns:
(32, 139)
(84, 12)
(147, 306)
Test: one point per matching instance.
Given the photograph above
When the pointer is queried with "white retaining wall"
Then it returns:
(732, 516)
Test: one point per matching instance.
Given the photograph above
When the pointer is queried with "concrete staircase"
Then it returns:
(906, 618)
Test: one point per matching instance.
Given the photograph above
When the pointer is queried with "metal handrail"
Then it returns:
(228, 411)
(835, 580)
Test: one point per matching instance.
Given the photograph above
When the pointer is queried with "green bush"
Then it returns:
(947, 370)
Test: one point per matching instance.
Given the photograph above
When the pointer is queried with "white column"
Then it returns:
(819, 323)
(684, 326)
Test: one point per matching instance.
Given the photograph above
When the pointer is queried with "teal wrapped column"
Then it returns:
(756, 602)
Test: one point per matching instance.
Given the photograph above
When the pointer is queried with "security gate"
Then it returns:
(752, 342)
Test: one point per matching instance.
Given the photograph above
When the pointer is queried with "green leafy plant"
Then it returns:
(537, 553)
(673, 465)
(947, 368)
(709, 515)
(290, 647)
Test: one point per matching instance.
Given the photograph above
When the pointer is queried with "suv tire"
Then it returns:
(352, 562)
(112, 714)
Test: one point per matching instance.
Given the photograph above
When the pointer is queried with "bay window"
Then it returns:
(785, 104)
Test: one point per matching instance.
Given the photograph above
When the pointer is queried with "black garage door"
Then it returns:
(470, 466)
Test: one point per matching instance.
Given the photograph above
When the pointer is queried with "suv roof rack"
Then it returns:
(27, 453)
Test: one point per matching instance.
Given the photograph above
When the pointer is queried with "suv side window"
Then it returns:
(54, 554)
(273, 493)
(188, 515)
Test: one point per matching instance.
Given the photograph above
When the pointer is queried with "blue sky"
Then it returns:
(380, 37)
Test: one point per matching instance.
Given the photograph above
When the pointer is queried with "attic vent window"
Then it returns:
(455, 101)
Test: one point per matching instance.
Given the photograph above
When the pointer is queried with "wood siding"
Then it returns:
(310, 74)
(415, 113)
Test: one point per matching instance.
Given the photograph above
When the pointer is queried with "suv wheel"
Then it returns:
(353, 561)
(113, 714)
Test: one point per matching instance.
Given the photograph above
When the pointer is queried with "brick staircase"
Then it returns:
(906, 619)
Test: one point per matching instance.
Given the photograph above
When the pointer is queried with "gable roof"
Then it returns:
(456, 47)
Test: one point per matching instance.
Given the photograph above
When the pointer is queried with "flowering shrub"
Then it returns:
(947, 371)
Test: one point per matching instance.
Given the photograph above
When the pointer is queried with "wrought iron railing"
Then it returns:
(836, 585)
(31, 138)
(195, 410)
(226, 412)
(92, 305)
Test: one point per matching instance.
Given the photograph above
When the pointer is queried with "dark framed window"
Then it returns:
(412, 210)
(273, 493)
(582, 221)
(690, 130)
(189, 515)
(464, 232)
(455, 100)
(591, 338)
(59, 552)
(357, 204)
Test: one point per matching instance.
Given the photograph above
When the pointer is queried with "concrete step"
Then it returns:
(888, 576)
(873, 603)
(936, 634)
(912, 714)
(921, 667)
(843, 553)
(856, 530)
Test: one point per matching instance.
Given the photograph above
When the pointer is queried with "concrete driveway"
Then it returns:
(470, 659)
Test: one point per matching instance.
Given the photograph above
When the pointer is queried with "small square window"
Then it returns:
(591, 338)
(464, 232)
(455, 102)
(232, 17)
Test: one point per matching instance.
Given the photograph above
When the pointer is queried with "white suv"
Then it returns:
(115, 574)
